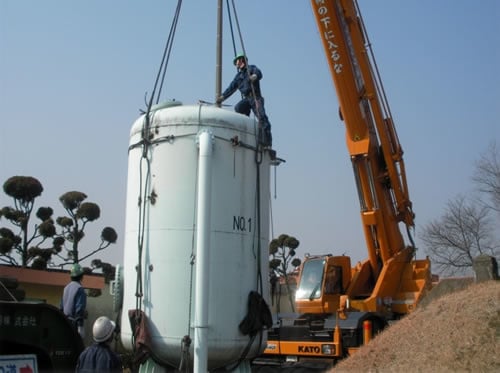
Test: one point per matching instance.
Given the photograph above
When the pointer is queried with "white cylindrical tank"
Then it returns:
(161, 231)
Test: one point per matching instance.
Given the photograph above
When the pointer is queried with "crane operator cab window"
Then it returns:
(333, 280)
(311, 280)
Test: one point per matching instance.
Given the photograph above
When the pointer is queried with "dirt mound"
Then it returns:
(458, 332)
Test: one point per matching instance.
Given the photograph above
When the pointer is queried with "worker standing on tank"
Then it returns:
(74, 299)
(99, 357)
(247, 81)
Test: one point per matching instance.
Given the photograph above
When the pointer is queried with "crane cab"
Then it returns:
(323, 279)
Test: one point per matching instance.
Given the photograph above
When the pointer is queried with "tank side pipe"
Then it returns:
(203, 225)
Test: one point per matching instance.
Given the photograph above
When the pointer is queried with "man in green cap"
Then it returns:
(74, 299)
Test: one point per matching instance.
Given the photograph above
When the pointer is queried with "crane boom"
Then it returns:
(375, 151)
(339, 306)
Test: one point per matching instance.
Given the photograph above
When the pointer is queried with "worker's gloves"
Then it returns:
(253, 77)
(81, 331)
(219, 100)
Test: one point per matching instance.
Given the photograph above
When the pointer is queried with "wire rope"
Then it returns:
(231, 26)
(259, 285)
(257, 104)
(145, 178)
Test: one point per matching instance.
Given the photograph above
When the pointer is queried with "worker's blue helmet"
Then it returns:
(238, 56)
(76, 270)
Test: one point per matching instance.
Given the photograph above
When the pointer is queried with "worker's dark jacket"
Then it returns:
(252, 99)
(74, 302)
(98, 358)
(242, 82)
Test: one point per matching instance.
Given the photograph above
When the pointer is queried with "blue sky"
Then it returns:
(73, 77)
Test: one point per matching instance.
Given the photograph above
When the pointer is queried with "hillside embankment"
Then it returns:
(457, 331)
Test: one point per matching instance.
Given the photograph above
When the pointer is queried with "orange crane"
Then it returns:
(339, 306)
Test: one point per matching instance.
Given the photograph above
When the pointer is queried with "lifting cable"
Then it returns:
(395, 150)
(144, 185)
(258, 155)
(166, 56)
(395, 146)
(231, 26)
(162, 71)
(259, 124)
(254, 315)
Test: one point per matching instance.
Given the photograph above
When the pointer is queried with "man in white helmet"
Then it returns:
(99, 357)
(74, 299)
